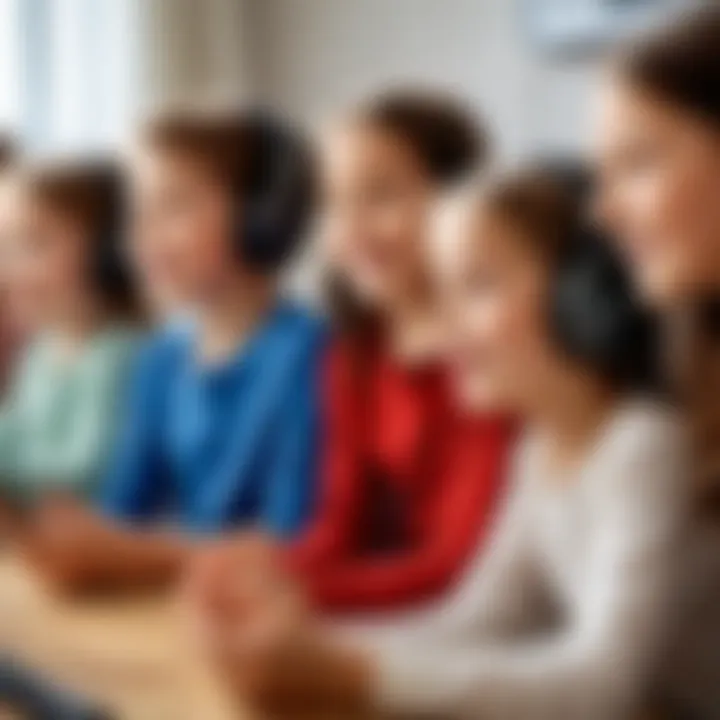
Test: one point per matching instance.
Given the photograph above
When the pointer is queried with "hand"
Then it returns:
(250, 618)
(215, 577)
(68, 545)
(255, 626)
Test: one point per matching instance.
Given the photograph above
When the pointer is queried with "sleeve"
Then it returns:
(135, 485)
(596, 666)
(79, 463)
(471, 472)
(328, 537)
(290, 492)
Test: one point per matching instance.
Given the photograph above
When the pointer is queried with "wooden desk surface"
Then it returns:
(130, 656)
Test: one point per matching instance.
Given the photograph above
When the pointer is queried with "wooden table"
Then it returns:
(130, 656)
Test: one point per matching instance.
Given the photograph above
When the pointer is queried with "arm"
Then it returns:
(79, 548)
(597, 665)
(77, 464)
(500, 595)
(78, 551)
(471, 473)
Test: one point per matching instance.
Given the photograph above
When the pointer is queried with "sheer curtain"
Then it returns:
(75, 74)
(10, 102)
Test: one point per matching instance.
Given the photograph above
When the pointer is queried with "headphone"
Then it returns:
(277, 198)
(595, 315)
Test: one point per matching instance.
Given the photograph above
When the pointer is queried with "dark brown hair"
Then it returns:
(538, 207)
(679, 63)
(441, 131)
(448, 140)
(216, 140)
(93, 194)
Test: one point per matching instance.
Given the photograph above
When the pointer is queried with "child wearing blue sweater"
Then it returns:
(221, 421)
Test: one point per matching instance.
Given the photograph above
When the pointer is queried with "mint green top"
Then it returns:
(58, 418)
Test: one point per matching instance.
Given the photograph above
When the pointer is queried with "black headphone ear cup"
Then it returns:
(272, 213)
(596, 318)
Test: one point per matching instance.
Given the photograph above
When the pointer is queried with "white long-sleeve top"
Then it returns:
(599, 549)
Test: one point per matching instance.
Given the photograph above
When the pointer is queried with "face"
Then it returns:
(494, 290)
(181, 230)
(659, 193)
(377, 201)
(44, 262)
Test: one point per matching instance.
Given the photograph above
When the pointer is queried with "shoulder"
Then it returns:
(299, 330)
(645, 457)
(644, 427)
(117, 343)
(159, 354)
(33, 362)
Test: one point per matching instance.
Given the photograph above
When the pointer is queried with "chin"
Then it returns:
(478, 397)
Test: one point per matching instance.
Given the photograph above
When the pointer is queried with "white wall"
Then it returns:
(191, 51)
(312, 56)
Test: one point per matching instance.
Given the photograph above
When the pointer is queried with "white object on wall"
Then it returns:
(580, 25)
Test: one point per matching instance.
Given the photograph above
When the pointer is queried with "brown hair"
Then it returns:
(680, 63)
(441, 131)
(538, 207)
(217, 141)
(448, 140)
(92, 194)
(261, 160)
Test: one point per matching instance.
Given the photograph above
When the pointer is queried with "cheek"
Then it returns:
(496, 341)
(669, 231)
(378, 251)
(186, 250)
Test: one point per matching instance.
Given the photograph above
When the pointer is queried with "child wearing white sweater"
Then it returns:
(568, 613)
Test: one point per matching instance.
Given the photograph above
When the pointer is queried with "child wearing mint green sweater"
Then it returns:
(68, 292)
(59, 416)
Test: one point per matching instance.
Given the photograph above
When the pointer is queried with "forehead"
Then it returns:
(360, 146)
(468, 234)
(624, 113)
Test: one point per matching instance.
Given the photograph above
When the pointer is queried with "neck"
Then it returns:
(227, 319)
(413, 327)
(79, 321)
(571, 410)
(75, 325)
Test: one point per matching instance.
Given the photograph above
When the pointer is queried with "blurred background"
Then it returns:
(74, 74)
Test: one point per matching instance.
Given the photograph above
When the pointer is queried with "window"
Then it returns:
(66, 72)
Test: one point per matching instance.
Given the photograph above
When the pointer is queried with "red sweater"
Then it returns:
(408, 487)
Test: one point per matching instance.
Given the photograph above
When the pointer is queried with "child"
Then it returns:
(68, 290)
(566, 614)
(409, 480)
(222, 424)
(659, 148)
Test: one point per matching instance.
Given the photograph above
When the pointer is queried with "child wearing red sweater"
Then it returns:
(408, 491)
(409, 484)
